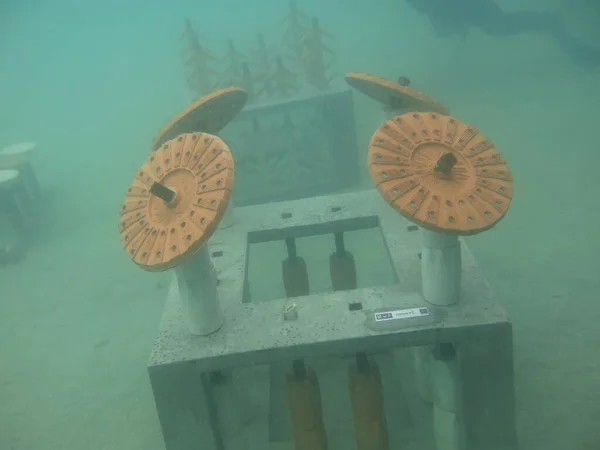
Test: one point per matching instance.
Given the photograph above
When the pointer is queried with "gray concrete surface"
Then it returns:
(255, 334)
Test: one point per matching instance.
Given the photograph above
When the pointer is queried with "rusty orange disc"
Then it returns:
(440, 173)
(393, 95)
(198, 169)
(210, 114)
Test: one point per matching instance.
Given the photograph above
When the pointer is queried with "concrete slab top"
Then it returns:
(256, 333)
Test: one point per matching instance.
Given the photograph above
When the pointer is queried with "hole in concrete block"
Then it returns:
(286, 215)
(267, 251)
(444, 351)
(355, 306)
(412, 227)
(216, 377)
(217, 254)
(336, 208)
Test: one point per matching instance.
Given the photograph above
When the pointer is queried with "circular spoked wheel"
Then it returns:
(210, 114)
(440, 173)
(392, 94)
(176, 201)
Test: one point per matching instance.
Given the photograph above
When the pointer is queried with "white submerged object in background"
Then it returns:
(19, 148)
(11, 218)
(8, 177)
(16, 155)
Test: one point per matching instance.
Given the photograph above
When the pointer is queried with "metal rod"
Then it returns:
(340, 249)
(446, 162)
(403, 81)
(299, 368)
(291, 248)
(362, 361)
(164, 193)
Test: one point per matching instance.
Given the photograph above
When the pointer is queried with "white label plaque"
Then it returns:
(397, 314)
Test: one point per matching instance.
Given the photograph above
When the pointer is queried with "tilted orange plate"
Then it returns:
(198, 167)
(407, 161)
(210, 114)
(393, 95)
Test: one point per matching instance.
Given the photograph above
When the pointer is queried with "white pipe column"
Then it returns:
(440, 273)
(197, 282)
(444, 381)
(423, 356)
(229, 217)
(388, 113)
(440, 268)
(232, 403)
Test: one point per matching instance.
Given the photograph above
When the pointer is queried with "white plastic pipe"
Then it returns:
(197, 283)
(229, 218)
(423, 356)
(440, 268)
(387, 113)
(446, 429)
(444, 385)
(234, 409)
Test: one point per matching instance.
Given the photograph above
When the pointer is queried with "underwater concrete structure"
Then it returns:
(305, 144)
(419, 359)
(218, 391)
